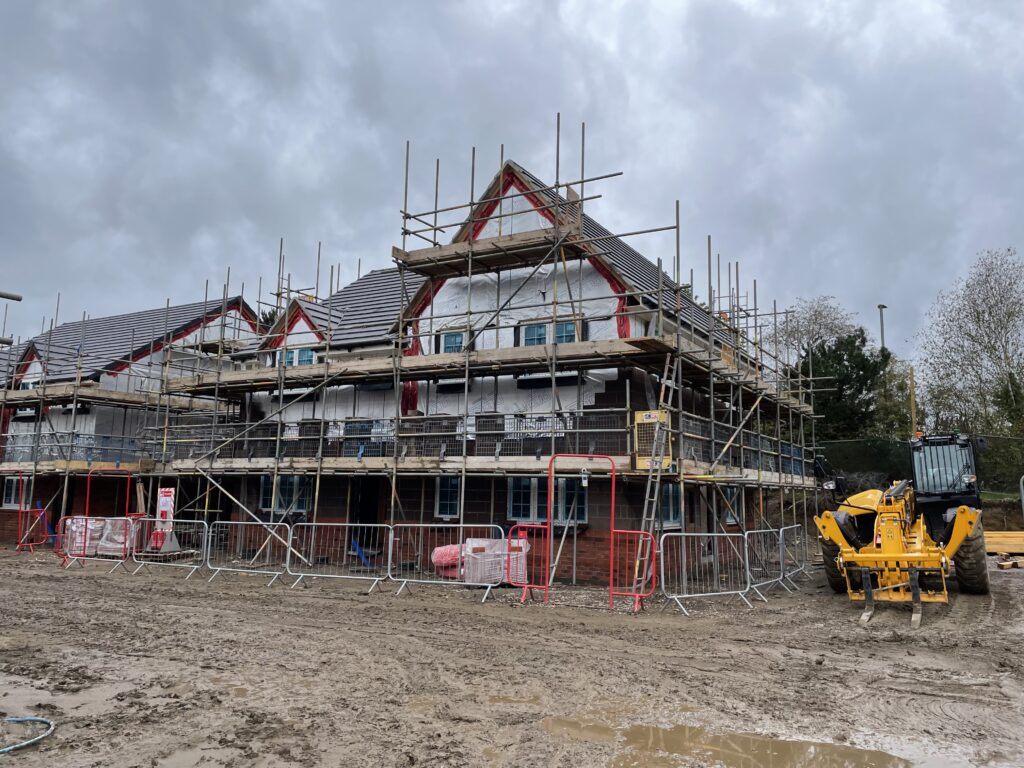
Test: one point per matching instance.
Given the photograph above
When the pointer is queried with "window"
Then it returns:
(28, 384)
(943, 468)
(446, 498)
(671, 505)
(570, 501)
(293, 494)
(535, 335)
(285, 357)
(565, 333)
(12, 493)
(451, 342)
(520, 498)
(305, 356)
(729, 505)
(528, 500)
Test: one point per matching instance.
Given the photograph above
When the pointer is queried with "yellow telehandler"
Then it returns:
(898, 545)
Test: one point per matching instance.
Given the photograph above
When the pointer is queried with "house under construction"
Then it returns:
(510, 330)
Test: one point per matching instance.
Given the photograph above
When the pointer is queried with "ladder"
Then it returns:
(652, 494)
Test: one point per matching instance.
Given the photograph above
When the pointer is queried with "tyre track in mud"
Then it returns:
(436, 678)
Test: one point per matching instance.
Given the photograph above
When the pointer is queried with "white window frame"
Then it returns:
(13, 499)
(538, 501)
(437, 497)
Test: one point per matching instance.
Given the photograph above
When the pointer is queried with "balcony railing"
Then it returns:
(440, 436)
(69, 446)
(493, 435)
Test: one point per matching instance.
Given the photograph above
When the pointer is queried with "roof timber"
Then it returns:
(379, 366)
(88, 392)
(525, 249)
(366, 367)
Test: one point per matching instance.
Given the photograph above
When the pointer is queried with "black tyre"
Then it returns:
(835, 578)
(970, 563)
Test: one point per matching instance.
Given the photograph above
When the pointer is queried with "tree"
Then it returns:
(892, 402)
(268, 316)
(852, 373)
(972, 349)
(806, 324)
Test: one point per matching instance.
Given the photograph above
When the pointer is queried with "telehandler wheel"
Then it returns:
(833, 575)
(970, 564)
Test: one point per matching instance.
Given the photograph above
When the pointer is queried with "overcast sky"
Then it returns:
(866, 151)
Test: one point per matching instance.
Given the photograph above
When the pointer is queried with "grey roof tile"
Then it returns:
(106, 343)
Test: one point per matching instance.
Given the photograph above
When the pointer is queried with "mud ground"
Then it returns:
(152, 670)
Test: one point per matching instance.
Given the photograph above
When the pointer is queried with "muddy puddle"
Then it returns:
(645, 745)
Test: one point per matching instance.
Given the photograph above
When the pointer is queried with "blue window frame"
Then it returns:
(305, 356)
(535, 335)
(451, 342)
(446, 497)
(565, 333)
(286, 357)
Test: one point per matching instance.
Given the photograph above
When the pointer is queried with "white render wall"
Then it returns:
(448, 312)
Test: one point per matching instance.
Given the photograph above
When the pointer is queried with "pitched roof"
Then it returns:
(369, 307)
(635, 268)
(9, 357)
(111, 343)
(362, 312)
(366, 310)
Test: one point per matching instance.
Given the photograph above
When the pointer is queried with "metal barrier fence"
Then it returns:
(108, 539)
(704, 565)
(449, 554)
(248, 547)
(633, 568)
(765, 560)
(793, 548)
(173, 543)
(688, 565)
(339, 551)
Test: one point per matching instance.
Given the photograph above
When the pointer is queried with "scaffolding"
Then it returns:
(222, 410)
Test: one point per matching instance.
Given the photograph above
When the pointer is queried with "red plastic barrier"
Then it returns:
(127, 473)
(528, 558)
(634, 571)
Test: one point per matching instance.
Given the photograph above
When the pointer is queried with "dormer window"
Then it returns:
(290, 357)
(451, 342)
(535, 335)
(565, 333)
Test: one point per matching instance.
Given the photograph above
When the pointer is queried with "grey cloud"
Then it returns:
(863, 150)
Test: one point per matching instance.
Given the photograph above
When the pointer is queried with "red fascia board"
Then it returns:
(182, 332)
(297, 313)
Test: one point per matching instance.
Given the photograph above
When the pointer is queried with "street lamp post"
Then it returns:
(881, 322)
